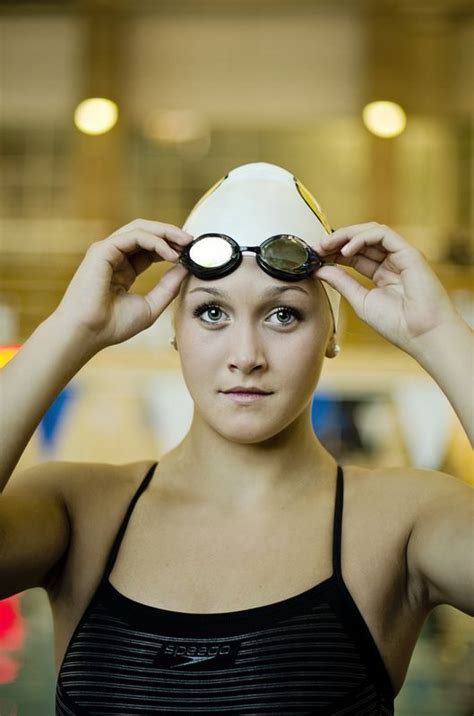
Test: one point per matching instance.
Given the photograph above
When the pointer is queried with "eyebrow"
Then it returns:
(272, 291)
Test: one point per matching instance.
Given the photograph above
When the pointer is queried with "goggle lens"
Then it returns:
(285, 254)
(211, 252)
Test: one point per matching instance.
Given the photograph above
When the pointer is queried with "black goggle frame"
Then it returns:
(313, 260)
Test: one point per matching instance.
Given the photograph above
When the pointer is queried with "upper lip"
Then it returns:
(244, 389)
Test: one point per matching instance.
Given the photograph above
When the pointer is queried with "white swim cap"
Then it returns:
(258, 200)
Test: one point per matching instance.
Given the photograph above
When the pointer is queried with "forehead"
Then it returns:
(263, 293)
(249, 281)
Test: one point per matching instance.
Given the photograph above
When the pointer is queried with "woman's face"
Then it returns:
(245, 337)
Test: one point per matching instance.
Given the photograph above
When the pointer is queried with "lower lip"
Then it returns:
(247, 397)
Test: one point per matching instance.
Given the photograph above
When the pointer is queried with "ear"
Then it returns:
(332, 348)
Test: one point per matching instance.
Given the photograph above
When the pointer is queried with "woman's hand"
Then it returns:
(408, 301)
(97, 302)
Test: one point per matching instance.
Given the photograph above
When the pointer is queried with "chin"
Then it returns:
(247, 431)
(249, 438)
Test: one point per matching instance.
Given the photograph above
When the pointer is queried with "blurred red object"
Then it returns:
(12, 637)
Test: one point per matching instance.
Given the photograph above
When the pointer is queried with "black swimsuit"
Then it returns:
(309, 654)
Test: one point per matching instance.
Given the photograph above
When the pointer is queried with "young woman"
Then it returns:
(246, 572)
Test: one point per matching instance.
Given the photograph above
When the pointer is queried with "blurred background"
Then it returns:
(119, 109)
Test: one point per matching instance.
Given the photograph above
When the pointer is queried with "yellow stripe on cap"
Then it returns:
(313, 204)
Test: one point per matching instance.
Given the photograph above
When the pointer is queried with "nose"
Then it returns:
(246, 352)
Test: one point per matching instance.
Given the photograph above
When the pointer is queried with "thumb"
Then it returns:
(166, 289)
(347, 286)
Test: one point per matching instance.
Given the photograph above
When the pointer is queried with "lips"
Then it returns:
(247, 391)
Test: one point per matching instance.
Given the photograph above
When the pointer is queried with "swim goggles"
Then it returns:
(282, 256)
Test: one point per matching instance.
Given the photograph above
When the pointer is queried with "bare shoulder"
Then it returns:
(440, 544)
(386, 499)
(431, 509)
(94, 494)
(421, 484)
(86, 482)
(407, 490)
(416, 488)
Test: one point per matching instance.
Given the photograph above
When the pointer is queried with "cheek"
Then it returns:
(309, 364)
(196, 341)
(199, 358)
(305, 356)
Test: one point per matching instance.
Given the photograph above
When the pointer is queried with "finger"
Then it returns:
(380, 233)
(333, 242)
(179, 248)
(347, 286)
(346, 234)
(158, 228)
(136, 264)
(167, 231)
(118, 250)
(175, 245)
(371, 252)
(362, 264)
(348, 231)
(401, 252)
(139, 241)
(143, 260)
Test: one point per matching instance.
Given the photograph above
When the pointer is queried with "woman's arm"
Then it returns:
(411, 308)
(447, 355)
(408, 306)
(31, 381)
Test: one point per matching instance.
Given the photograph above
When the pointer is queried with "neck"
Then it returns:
(217, 470)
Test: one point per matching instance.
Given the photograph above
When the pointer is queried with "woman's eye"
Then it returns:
(213, 307)
(204, 308)
(286, 309)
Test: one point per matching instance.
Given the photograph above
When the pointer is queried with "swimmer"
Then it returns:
(246, 571)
